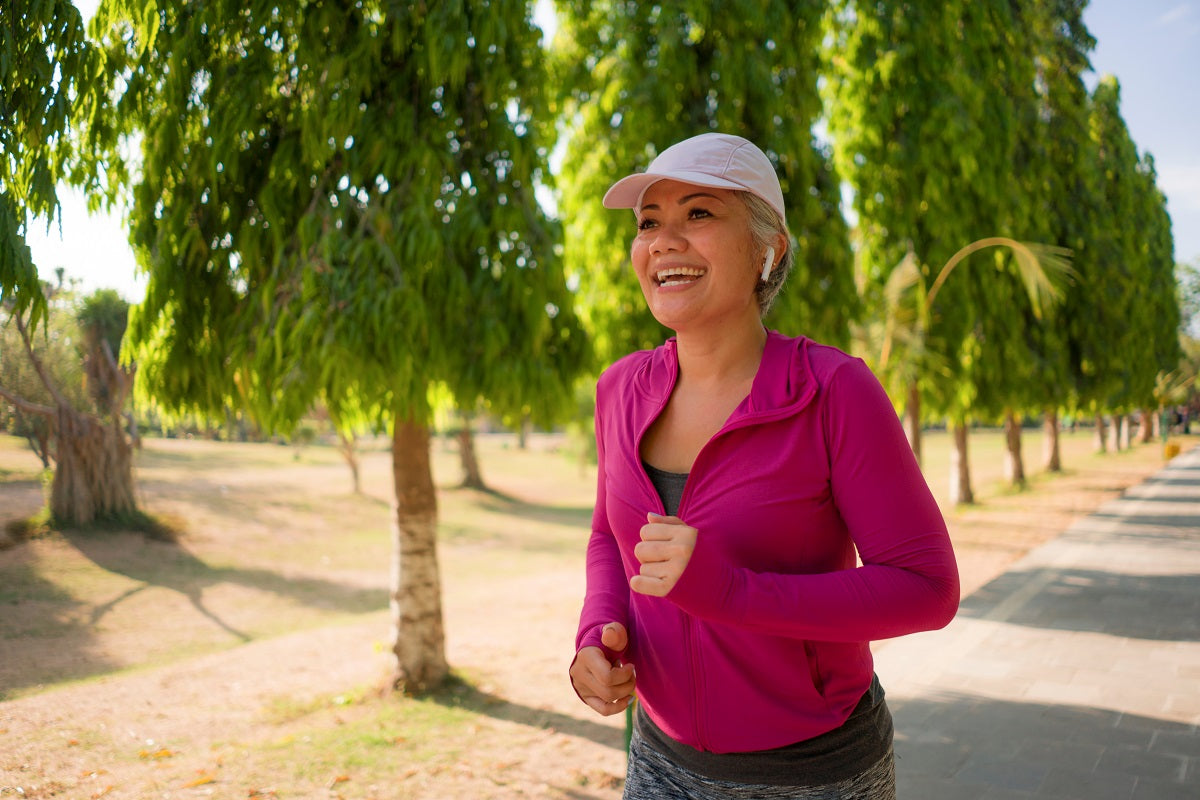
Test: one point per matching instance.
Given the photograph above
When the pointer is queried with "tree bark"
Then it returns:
(1125, 435)
(348, 447)
(523, 431)
(472, 475)
(1014, 465)
(416, 592)
(1051, 451)
(94, 475)
(1101, 434)
(1114, 434)
(960, 467)
(912, 419)
(1145, 428)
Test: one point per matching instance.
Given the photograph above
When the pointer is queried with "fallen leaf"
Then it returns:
(72, 742)
(106, 790)
(163, 753)
(338, 779)
(203, 778)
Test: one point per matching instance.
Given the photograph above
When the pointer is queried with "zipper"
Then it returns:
(691, 628)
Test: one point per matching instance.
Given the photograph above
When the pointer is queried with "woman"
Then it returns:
(742, 476)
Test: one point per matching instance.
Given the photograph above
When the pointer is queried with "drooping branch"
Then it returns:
(38, 366)
(26, 406)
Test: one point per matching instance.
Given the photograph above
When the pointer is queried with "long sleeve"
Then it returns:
(908, 580)
(607, 595)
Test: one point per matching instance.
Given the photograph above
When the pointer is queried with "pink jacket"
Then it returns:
(764, 640)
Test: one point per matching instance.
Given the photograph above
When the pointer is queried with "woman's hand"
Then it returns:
(606, 686)
(666, 547)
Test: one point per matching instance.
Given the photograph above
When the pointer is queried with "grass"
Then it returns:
(267, 544)
(257, 543)
(260, 544)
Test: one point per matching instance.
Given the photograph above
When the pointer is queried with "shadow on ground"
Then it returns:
(460, 694)
(61, 619)
(952, 747)
(1130, 606)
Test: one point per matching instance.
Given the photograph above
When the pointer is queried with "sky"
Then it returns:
(1151, 46)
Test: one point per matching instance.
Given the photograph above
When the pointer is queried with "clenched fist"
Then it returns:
(606, 686)
(664, 551)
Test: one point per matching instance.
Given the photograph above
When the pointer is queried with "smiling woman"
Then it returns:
(743, 475)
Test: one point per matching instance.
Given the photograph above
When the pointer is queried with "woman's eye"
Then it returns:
(696, 213)
(645, 224)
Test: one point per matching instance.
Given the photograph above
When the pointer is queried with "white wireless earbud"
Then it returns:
(768, 262)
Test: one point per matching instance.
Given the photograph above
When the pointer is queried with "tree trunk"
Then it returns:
(416, 592)
(1101, 434)
(523, 431)
(1145, 426)
(348, 447)
(472, 476)
(912, 419)
(94, 476)
(1051, 452)
(960, 467)
(1125, 436)
(1014, 465)
(1114, 434)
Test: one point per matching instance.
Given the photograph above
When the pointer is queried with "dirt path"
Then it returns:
(150, 734)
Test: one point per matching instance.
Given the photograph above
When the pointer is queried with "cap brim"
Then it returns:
(627, 192)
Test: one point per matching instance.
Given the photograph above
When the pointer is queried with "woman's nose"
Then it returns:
(667, 238)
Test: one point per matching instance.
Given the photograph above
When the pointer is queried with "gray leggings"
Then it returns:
(653, 776)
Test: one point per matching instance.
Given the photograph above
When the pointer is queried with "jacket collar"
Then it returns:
(783, 385)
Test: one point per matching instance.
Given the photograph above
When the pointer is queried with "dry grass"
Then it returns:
(249, 650)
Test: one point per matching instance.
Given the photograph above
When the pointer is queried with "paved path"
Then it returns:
(1076, 674)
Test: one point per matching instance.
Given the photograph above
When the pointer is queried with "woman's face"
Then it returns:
(695, 257)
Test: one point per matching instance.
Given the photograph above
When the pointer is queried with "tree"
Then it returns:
(1187, 278)
(1064, 195)
(635, 78)
(48, 72)
(894, 343)
(336, 202)
(55, 346)
(79, 398)
(925, 110)
(1124, 315)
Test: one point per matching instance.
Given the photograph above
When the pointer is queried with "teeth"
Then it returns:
(677, 275)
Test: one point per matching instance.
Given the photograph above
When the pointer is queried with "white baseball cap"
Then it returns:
(720, 160)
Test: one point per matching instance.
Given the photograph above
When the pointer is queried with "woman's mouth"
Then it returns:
(677, 276)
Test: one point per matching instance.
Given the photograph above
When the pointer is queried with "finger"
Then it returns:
(661, 552)
(622, 679)
(657, 532)
(644, 584)
(608, 685)
(608, 709)
(648, 552)
(614, 637)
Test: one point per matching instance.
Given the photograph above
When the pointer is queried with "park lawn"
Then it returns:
(273, 542)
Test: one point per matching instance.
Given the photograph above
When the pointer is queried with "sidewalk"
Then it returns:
(1076, 674)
